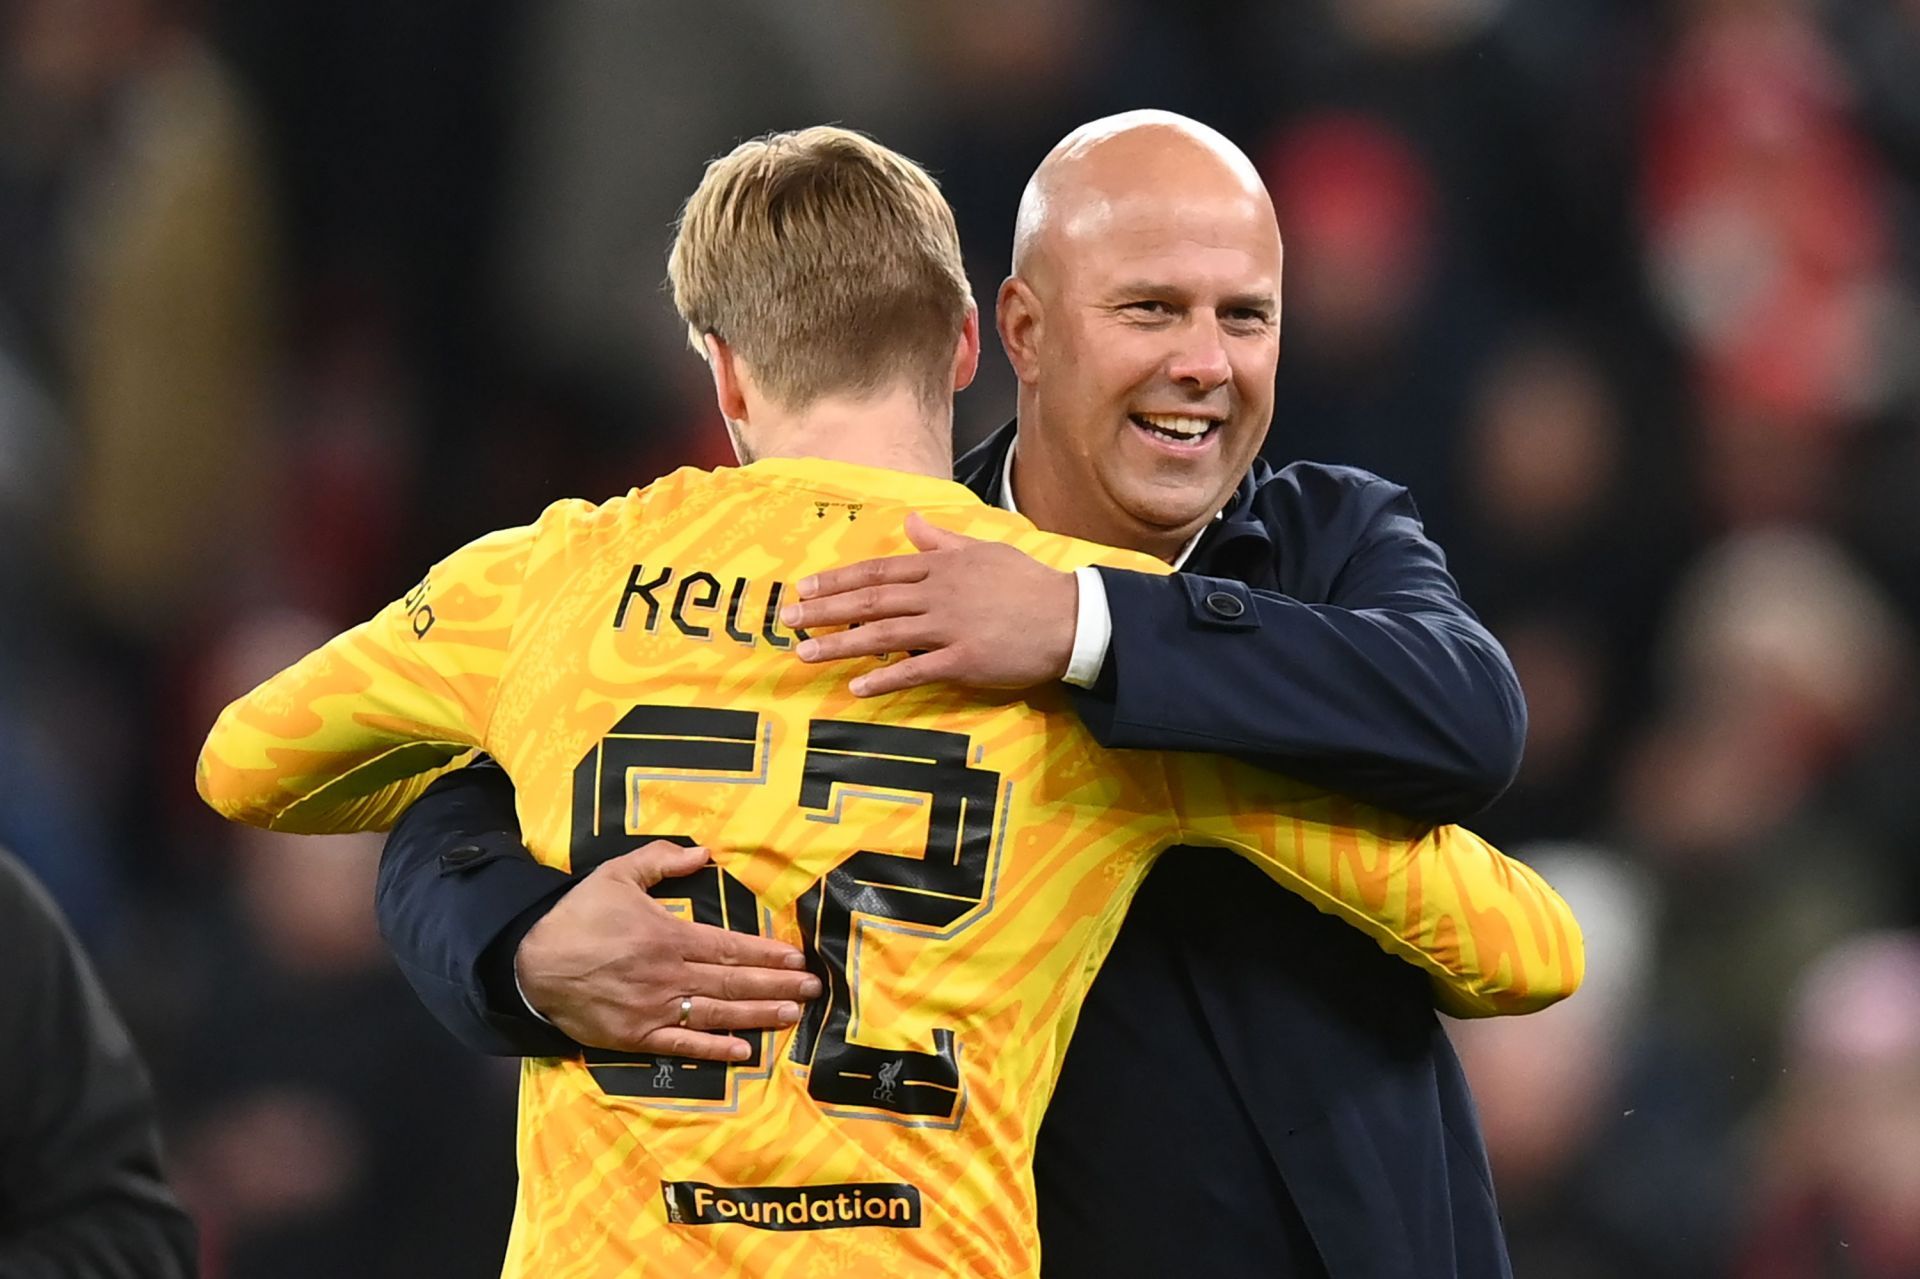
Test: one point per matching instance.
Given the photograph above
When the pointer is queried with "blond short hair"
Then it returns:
(829, 263)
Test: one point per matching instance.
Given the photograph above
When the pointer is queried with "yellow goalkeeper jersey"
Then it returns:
(953, 863)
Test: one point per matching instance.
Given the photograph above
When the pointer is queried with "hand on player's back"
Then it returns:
(609, 966)
(976, 613)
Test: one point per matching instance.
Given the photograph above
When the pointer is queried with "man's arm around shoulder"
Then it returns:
(1363, 672)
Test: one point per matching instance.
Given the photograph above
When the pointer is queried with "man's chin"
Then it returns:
(1161, 514)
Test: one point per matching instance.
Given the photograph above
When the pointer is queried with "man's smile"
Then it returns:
(1179, 432)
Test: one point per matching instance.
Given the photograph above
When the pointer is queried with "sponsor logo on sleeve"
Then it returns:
(419, 612)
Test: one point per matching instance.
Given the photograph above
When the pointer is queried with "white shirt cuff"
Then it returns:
(1092, 630)
(528, 1003)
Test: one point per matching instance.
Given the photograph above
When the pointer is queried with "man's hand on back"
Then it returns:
(971, 612)
(609, 965)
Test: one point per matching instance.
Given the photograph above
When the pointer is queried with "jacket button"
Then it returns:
(461, 857)
(1222, 604)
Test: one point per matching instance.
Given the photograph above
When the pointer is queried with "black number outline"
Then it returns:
(966, 813)
(673, 743)
(845, 759)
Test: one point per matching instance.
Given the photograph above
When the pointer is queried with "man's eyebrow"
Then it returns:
(1254, 300)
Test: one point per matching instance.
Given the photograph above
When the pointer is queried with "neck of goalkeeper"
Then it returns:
(895, 429)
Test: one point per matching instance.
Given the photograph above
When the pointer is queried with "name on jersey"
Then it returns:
(831, 1207)
(692, 604)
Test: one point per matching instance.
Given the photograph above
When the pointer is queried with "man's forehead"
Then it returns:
(1174, 235)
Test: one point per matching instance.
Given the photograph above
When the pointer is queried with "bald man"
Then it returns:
(1253, 1088)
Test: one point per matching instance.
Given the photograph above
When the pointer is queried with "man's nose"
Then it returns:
(1201, 361)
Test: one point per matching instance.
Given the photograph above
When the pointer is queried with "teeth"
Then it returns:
(1187, 428)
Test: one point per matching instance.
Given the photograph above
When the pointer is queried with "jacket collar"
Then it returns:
(981, 466)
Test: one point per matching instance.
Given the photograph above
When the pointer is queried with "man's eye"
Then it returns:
(1149, 308)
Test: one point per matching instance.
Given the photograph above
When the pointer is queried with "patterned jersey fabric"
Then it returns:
(953, 863)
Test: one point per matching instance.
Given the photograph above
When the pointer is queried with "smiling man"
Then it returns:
(1253, 1087)
(1143, 318)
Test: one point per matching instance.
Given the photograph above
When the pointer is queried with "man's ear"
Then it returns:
(726, 378)
(966, 355)
(1018, 318)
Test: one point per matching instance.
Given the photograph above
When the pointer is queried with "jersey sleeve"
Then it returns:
(351, 734)
(1492, 935)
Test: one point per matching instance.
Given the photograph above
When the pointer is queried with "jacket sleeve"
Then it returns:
(1389, 689)
(457, 891)
(81, 1191)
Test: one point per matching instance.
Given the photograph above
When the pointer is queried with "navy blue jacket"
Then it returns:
(1253, 1088)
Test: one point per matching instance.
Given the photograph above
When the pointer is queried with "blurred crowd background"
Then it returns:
(298, 295)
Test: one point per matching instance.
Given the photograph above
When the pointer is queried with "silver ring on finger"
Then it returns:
(686, 1010)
